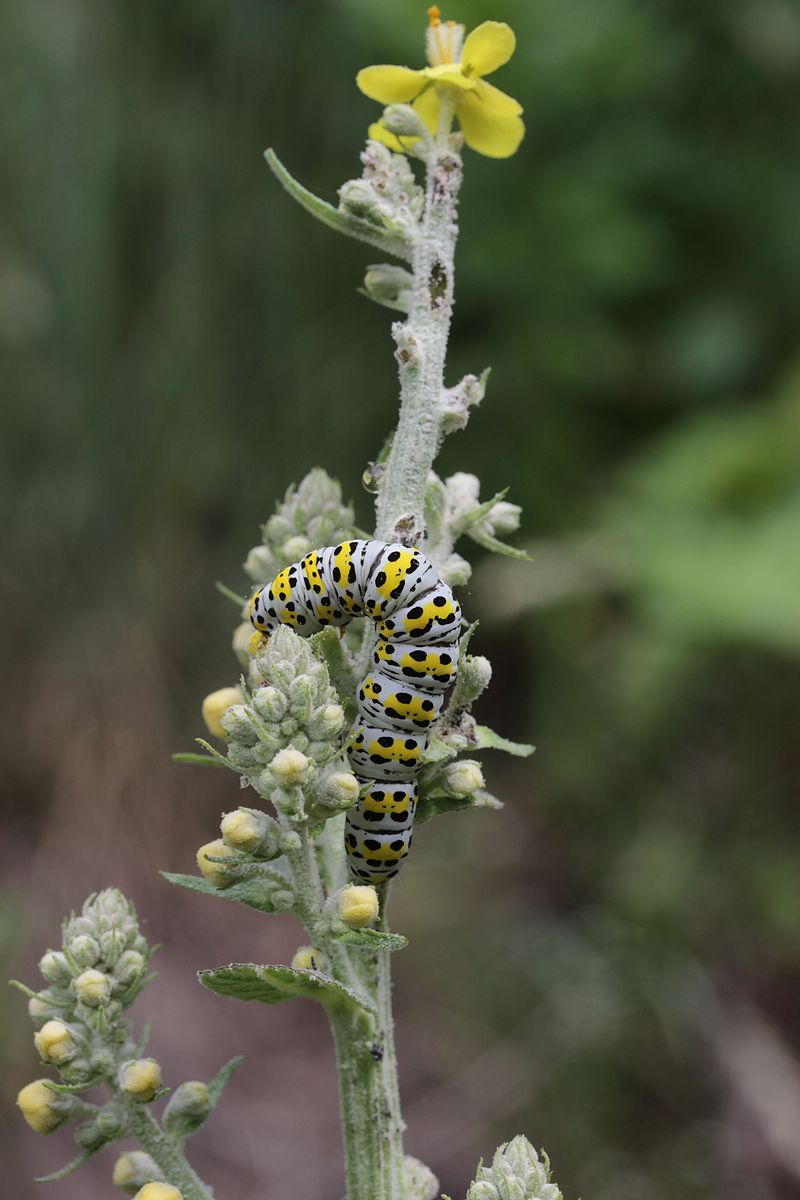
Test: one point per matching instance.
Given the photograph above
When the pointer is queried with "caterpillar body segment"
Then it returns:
(400, 699)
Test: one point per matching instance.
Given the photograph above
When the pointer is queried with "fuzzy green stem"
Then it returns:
(421, 348)
(169, 1159)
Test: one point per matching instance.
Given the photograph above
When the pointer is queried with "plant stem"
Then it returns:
(421, 348)
(169, 1159)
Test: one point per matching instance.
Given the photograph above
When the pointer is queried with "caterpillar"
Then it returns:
(400, 699)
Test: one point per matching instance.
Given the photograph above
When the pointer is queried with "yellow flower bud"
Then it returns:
(40, 1107)
(55, 1043)
(216, 873)
(216, 705)
(289, 766)
(342, 787)
(158, 1191)
(140, 1078)
(308, 958)
(39, 1009)
(133, 1170)
(463, 777)
(93, 988)
(242, 637)
(357, 906)
(242, 829)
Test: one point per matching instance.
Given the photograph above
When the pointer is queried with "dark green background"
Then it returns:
(611, 964)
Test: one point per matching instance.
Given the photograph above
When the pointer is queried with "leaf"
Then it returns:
(22, 987)
(217, 1085)
(437, 802)
(229, 594)
(273, 985)
(331, 647)
(489, 542)
(489, 740)
(372, 939)
(438, 752)
(70, 1167)
(254, 893)
(196, 760)
(334, 218)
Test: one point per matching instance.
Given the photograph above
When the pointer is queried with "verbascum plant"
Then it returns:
(349, 717)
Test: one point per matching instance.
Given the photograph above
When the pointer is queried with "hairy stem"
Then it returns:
(421, 348)
(169, 1159)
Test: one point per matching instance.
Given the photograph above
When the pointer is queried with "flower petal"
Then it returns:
(492, 98)
(487, 48)
(449, 73)
(390, 85)
(497, 135)
(428, 106)
(379, 133)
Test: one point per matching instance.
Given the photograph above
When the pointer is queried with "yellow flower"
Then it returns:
(54, 1042)
(158, 1191)
(216, 705)
(40, 1107)
(490, 120)
(140, 1078)
(357, 906)
(216, 873)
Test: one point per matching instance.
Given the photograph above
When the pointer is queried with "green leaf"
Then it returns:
(437, 801)
(70, 1167)
(217, 1085)
(438, 752)
(22, 987)
(273, 985)
(197, 760)
(331, 647)
(334, 218)
(254, 893)
(229, 594)
(372, 939)
(489, 542)
(489, 740)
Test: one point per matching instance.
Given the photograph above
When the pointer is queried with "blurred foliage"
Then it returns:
(180, 342)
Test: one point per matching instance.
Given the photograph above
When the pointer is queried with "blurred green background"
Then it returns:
(611, 964)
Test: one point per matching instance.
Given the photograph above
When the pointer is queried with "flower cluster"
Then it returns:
(310, 515)
(517, 1173)
(96, 974)
(386, 194)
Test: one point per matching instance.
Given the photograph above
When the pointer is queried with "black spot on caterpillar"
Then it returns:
(399, 701)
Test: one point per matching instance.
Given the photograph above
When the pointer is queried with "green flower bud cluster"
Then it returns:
(517, 1173)
(286, 739)
(310, 516)
(387, 194)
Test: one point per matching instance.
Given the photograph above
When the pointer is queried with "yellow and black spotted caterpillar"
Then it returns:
(415, 661)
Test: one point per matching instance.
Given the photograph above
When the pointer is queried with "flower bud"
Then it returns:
(129, 967)
(140, 1078)
(308, 958)
(401, 120)
(295, 548)
(463, 777)
(93, 988)
(357, 905)
(516, 1173)
(42, 1108)
(270, 704)
(216, 705)
(389, 285)
(188, 1107)
(289, 766)
(242, 829)
(134, 1169)
(242, 636)
(217, 874)
(84, 950)
(237, 725)
(326, 721)
(55, 1042)
(260, 564)
(55, 968)
(158, 1191)
(342, 788)
(103, 1127)
(40, 1009)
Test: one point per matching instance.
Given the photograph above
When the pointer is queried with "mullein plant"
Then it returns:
(282, 729)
